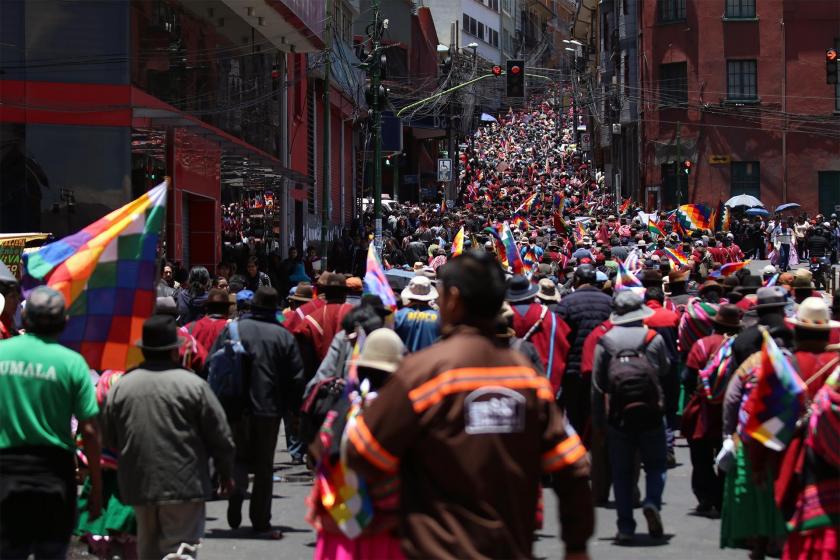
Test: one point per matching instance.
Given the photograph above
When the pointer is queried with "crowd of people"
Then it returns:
(548, 336)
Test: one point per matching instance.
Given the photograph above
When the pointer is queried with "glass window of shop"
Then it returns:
(214, 67)
(59, 179)
(61, 41)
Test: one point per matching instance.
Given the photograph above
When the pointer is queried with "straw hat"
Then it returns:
(419, 289)
(548, 291)
(814, 314)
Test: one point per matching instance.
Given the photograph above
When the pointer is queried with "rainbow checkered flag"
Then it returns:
(777, 401)
(107, 274)
(375, 281)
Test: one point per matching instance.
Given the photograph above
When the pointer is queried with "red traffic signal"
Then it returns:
(686, 167)
(497, 70)
(831, 55)
(515, 69)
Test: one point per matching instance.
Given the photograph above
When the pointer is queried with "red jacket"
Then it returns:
(294, 317)
(320, 326)
(549, 334)
(207, 329)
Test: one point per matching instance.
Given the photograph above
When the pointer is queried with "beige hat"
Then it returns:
(383, 350)
(813, 313)
(548, 291)
(802, 278)
(418, 267)
(419, 289)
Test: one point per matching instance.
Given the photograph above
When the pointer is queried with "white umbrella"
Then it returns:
(743, 200)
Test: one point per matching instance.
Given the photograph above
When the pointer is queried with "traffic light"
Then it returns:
(497, 70)
(831, 64)
(686, 167)
(515, 78)
(382, 98)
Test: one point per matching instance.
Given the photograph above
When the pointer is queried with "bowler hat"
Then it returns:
(729, 316)
(520, 289)
(303, 292)
(159, 333)
(710, 286)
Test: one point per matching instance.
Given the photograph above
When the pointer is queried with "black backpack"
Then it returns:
(635, 395)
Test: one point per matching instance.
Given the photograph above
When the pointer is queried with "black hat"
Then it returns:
(520, 289)
(265, 298)
(749, 284)
(159, 333)
(585, 274)
(651, 277)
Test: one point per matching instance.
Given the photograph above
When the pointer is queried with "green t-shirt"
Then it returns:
(42, 384)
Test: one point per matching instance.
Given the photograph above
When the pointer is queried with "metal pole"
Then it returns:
(377, 130)
(325, 180)
(678, 167)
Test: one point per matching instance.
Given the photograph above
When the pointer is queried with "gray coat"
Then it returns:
(617, 339)
(166, 423)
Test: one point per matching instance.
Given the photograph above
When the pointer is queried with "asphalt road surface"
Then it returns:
(687, 535)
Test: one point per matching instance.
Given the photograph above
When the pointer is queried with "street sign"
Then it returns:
(586, 141)
(444, 170)
(719, 160)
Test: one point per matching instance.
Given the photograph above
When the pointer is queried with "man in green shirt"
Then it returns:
(42, 386)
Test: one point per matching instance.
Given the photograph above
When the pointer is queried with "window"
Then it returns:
(506, 6)
(745, 178)
(740, 9)
(671, 10)
(480, 31)
(673, 84)
(493, 37)
(471, 26)
(492, 4)
(741, 80)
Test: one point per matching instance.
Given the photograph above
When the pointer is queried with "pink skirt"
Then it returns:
(381, 546)
(819, 544)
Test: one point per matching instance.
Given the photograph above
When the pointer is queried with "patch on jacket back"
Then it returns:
(494, 410)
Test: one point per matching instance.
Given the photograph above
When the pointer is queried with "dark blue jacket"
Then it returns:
(583, 310)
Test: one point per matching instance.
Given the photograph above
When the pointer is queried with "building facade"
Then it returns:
(103, 99)
(738, 88)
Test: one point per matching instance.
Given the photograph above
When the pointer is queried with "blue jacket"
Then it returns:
(417, 327)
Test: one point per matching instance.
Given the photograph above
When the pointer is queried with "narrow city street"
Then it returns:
(687, 536)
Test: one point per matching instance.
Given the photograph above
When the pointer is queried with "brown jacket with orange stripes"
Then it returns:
(471, 428)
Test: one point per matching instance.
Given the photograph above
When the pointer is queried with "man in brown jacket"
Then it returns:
(470, 428)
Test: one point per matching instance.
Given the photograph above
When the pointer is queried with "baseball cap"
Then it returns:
(44, 308)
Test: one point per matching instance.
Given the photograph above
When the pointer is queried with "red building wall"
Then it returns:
(790, 79)
(196, 181)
